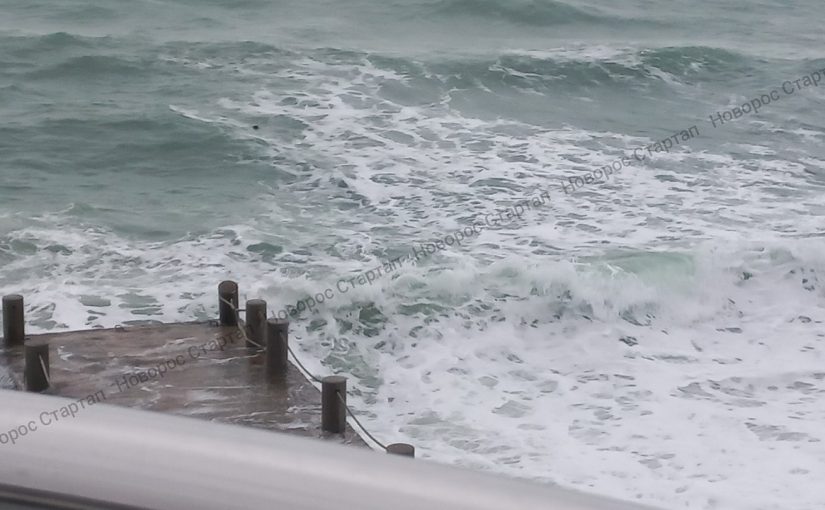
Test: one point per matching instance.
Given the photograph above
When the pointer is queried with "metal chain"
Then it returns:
(341, 398)
(45, 371)
(303, 369)
(240, 322)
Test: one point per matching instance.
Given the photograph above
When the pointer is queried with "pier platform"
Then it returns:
(201, 370)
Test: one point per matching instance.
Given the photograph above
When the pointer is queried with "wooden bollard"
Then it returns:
(14, 322)
(228, 291)
(403, 449)
(333, 404)
(36, 372)
(256, 322)
(277, 347)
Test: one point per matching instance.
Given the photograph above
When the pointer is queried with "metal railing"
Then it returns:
(108, 456)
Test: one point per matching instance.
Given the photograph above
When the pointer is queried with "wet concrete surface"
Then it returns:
(199, 370)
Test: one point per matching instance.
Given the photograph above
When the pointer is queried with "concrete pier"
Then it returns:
(201, 370)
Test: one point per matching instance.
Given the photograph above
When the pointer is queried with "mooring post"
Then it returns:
(277, 347)
(228, 293)
(256, 322)
(403, 449)
(334, 404)
(14, 323)
(36, 372)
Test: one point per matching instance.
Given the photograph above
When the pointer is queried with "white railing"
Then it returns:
(141, 459)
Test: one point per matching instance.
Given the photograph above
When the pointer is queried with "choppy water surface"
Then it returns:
(658, 337)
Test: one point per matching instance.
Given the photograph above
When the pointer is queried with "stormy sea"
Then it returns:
(580, 242)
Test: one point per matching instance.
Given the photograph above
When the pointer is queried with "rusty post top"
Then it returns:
(36, 342)
(403, 449)
(334, 380)
(228, 287)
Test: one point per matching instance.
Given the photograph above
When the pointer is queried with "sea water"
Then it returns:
(653, 330)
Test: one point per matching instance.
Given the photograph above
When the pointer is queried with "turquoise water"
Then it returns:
(597, 341)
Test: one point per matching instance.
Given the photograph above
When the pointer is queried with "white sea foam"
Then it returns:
(656, 338)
